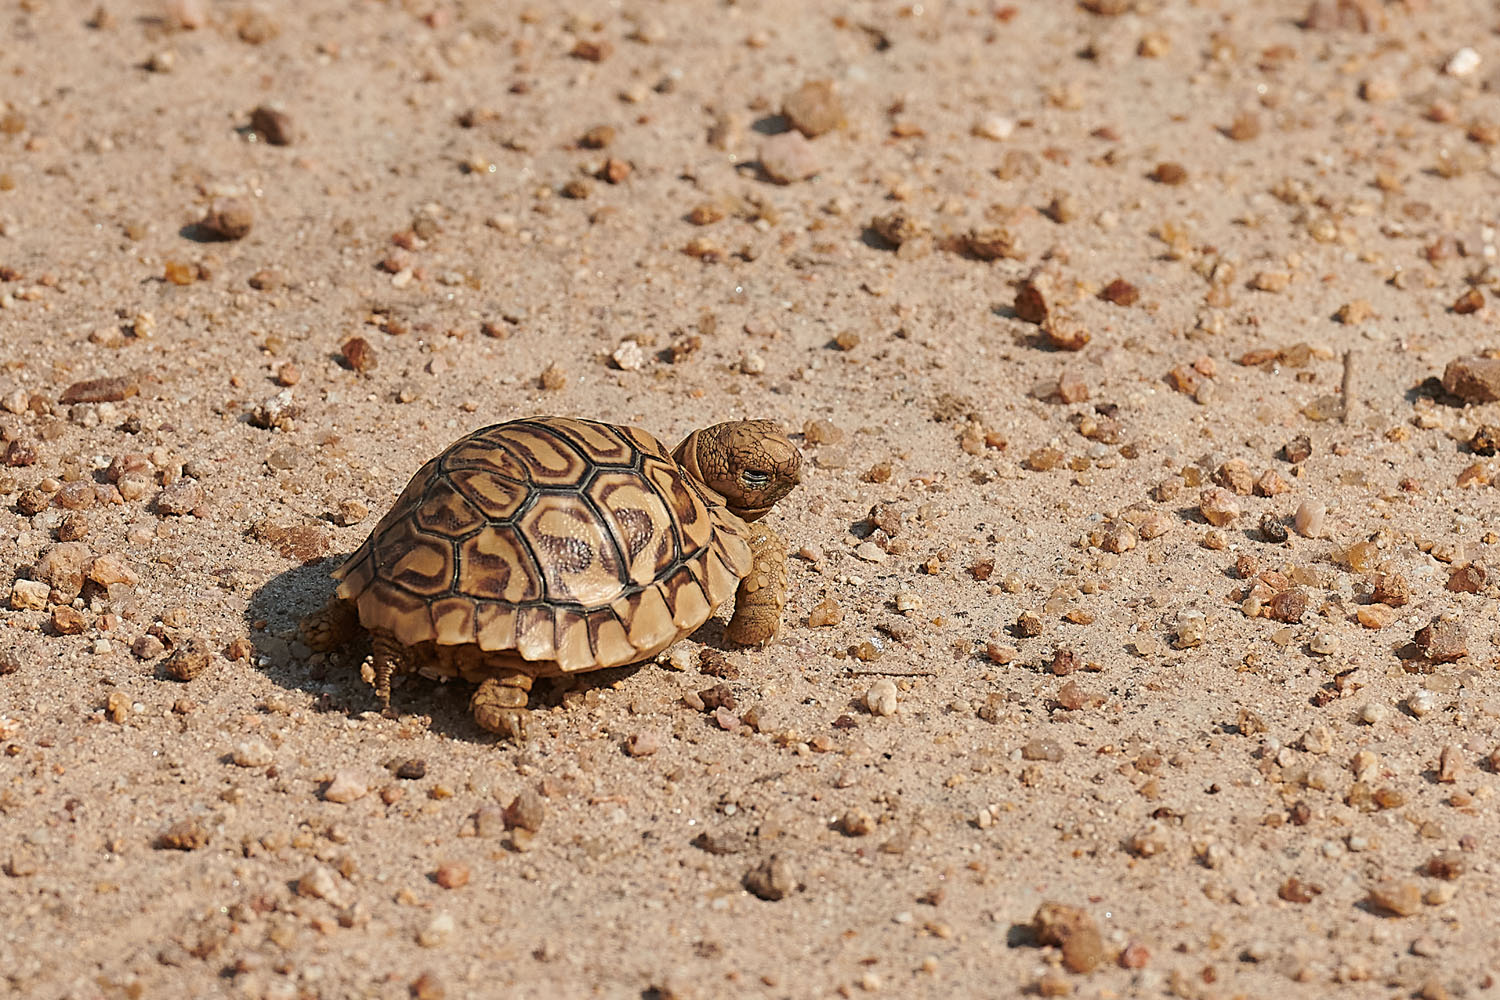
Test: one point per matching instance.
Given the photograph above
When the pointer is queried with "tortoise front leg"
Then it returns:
(499, 704)
(762, 593)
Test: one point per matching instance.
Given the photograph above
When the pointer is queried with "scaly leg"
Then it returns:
(388, 659)
(762, 593)
(334, 625)
(499, 704)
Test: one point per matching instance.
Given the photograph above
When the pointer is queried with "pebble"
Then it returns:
(907, 601)
(1310, 519)
(628, 357)
(188, 660)
(184, 835)
(1396, 897)
(788, 158)
(110, 569)
(67, 621)
(642, 744)
(1071, 929)
(996, 128)
(147, 647)
(1474, 378)
(181, 498)
(1442, 642)
(1324, 643)
(1218, 506)
(436, 931)
(229, 219)
(825, 612)
(359, 355)
(253, 753)
(320, 883)
(1288, 606)
(452, 875)
(29, 595)
(526, 811)
(880, 699)
(772, 879)
(1421, 701)
(1192, 626)
(345, 787)
(869, 552)
(63, 568)
(414, 769)
(1040, 748)
(1374, 713)
(112, 389)
(274, 126)
(814, 108)
(855, 823)
(1462, 63)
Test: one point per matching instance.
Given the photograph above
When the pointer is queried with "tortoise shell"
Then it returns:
(562, 540)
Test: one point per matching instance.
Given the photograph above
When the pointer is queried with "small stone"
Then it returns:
(180, 498)
(1450, 764)
(772, 879)
(1218, 506)
(1373, 713)
(345, 787)
(1474, 379)
(413, 769)
(1148, 841)
(855, 823)
(1396, 897)
(526, 811)
(1064, 333)
(1391, 589)
(274, 126)
(1271, 484)
(253, 753)
(111, 389)
(899, 228)
(188, 660)
(452, 875)
(814, 108)
(788, 158)
(1170, 173)
(1471, 301)
(1442, 642)
(1071, 929)
(63, 568)
(869, 552)
(147, 647)
(229, 219)
(319, 882)
(825, 612)
(1273, 529)
(1042, 749)
(996, 128)
(1323, 643)
(1467, 579)
(1235, 476)
(436, 931)
(184, 835)
(358, 355)
(642, 744)
(628, 356)
(880, 699)
(110, 569)
(1310, 519)
(67, 621)
(1192, 627)
(428, 986)
(1287, 606)
(1462, 63)
(29, 595)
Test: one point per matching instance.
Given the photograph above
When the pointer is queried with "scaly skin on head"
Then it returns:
(752, 464)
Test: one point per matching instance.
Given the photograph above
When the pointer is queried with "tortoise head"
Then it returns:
(750, 463)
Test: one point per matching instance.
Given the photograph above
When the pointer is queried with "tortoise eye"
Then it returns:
(755, 479)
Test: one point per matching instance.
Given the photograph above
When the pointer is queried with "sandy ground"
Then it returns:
(1213, 740)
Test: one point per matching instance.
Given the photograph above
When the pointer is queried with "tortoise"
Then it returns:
(553, 545)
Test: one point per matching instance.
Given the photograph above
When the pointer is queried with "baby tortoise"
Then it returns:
(553, 545)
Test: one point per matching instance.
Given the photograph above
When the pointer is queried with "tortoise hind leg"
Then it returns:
(387, 659)
(499, 704)
(762, 593)
(333, 625)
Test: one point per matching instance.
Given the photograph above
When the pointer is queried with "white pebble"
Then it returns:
(436, 932)
(1324, 643)
(869, 552)
(1310, 518)
(881, 698)
(997, 128)
(319, 883)
(629, 357)
(345, 787)
(1420, 702)
(1374, 713)
(253, 753)
(1462, 63)
(1192, 626)
(907, 601)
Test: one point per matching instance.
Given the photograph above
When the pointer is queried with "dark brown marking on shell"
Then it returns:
(550, 459)
(639, 522)
(574, 549)
(418, 562)
(498, 499)
(386, 608)
(497, 567)
(453, 619)
(535, 632)
(600, 443)
(612, 645)
(445, 511)
(482, 451)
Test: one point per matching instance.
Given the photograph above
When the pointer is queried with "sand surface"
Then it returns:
(1260, 233)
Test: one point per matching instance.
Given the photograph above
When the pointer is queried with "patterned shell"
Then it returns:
(564, 540)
